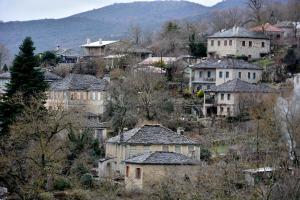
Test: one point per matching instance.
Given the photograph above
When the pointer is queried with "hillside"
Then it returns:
(110, 22)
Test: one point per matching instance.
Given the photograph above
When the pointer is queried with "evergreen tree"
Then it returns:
(197, 48)
(27, 81)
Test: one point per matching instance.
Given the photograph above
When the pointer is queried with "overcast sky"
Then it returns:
(11, 10)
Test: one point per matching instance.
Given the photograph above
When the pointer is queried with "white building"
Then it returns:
(231, 97)
(238, 41)
(212, 72)
(98, 48)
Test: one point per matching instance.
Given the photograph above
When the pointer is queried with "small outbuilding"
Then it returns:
(145, 170)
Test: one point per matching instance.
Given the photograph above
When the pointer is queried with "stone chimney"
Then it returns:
(88, 41)
(100, 41)
(180, 130)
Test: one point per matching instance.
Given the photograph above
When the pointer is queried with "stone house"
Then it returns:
(275, 34)
(212, 72)
(148, 138)
(147, 169)
(233, 97)
(238, 41)
(98, 48)
(79, 92)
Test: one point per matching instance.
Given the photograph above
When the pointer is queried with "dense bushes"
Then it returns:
(61, 184)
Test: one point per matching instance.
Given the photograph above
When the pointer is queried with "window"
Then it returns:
(212, 43)
(249, 75)
(219, 43)
(244, 43)
(240, 75)
(227, 74)
(254, 75)
(191, 148)
(200, 74)
(177, 148)
(230, 42)
(127, 171)
(221, 109)
(72, 96)
(208, 74)
(225, 42)
(228, 96)
(278, 36)
(138, 173)
(263, 44)
(94, 96)
(146, 149)
(228, 111)
(222, 96)
(250, 43)
(220, 74)
(165, 148)
(208, 87)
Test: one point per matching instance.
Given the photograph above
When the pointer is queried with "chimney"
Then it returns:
(180, 130)
(122, 135)
(57, 47)
(88, 41)
(100, 41)
(237, 29)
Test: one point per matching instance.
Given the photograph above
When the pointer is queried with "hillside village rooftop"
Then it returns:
(225, 64)
(151, 134)
(162, 158)
(80, 82)
(239, 32)
(239, 86)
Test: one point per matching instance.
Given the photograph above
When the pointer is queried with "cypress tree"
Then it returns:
(27, 82)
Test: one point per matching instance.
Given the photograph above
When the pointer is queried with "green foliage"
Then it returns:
(78, 142)
(205, 154)
(27, 81)
(197, 48)
(61, 184)
(49, 58)
(200, 94)
(87, 180)
(290, 59)
(187, 93)
(97, 149)
(80, 169)
(46, 196)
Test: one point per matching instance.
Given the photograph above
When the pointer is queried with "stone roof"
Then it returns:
(162, 158)
(266, 27)
(237, 85)
(152, 134)
(80, 82)
(49, 76)
(225, 64)
(239, 32)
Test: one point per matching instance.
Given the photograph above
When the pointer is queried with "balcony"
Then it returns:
(209, 79)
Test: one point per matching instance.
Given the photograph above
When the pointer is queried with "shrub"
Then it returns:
(87, 180)
(46, 196)
(200, 94)
(205, 154)
(61, 184)
(187, 93)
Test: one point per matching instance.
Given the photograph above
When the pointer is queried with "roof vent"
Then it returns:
(88, 40)
(100, 41)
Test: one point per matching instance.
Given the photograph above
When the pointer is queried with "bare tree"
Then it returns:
(256, 7)
(135, 34)
(4, 55)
